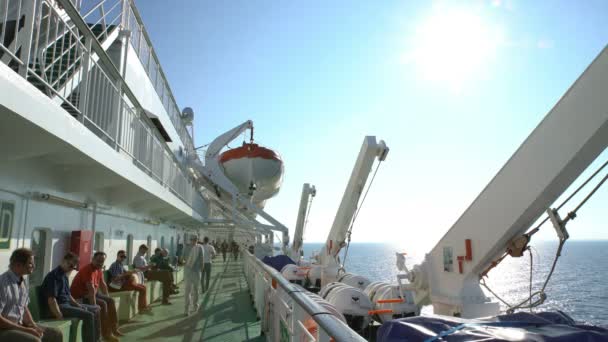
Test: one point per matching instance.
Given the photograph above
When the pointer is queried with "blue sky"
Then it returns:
(452, 87)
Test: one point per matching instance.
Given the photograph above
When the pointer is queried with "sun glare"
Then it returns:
(452, 46)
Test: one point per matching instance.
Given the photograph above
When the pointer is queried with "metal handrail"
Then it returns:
(111, 107)
(330, 327)
(115, 74)
(179, 126)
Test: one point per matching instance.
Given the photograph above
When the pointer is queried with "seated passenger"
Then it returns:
(55, 291)
(165, 277)
(156, 258)
(16, 323)
(89, 287)
(126, 281)
(164, 262)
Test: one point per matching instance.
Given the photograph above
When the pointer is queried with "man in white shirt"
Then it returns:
(209, 255)
(192, 274)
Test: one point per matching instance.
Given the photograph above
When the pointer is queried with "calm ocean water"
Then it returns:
(579, 285)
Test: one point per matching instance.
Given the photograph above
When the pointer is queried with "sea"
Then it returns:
(578, 286)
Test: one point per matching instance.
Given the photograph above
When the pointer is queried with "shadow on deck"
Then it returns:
(226, 313)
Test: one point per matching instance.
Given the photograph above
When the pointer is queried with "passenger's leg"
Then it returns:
(16, 335)
(196, 280)
(187, 291)
(141, 289)
(163, 277)
(88, 320)
(51, 334)
(203, 279)
(112, 314)
(106, 328)
(207, 276)
(96, 311)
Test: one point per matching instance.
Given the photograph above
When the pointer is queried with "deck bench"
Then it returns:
(126, 301)
(70, 327)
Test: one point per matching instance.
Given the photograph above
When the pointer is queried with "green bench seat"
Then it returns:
(71, 327)
(178, 275)
(154, 290)
(126, 301)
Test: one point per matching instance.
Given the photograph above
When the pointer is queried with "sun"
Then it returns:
(452, 46)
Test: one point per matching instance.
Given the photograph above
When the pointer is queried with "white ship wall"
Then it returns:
(116, 224)
(19, 180)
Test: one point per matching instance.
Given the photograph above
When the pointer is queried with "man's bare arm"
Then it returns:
(103, 287)
(91, 293)
(54, 308)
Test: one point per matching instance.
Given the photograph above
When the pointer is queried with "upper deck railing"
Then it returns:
(49, 43)
(142, 45)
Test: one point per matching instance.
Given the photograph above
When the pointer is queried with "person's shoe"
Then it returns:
(111, 338)
(146, 309)
(166, 302)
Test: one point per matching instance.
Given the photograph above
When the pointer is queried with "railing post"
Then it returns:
(298, 315)
(124, 40)
(119, 114)
(25, 39)
(84, 83)
(124, 22)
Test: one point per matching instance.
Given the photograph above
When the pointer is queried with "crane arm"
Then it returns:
(216, 146)
(561, 147)
(370, 150)
(308, 192)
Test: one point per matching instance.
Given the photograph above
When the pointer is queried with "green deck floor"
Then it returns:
(226, 315)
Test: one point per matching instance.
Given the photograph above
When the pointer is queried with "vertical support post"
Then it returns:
(119, 114)
(26, 37)
(124, 36)
(298, 315)
(85, 82)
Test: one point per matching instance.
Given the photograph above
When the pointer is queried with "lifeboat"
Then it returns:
(255, 170)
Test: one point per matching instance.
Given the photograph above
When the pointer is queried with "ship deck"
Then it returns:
(226, 313)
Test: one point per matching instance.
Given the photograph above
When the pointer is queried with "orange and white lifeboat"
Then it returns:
(255, 170)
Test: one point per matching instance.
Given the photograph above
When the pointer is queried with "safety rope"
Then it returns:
(571, 215)
(306, 217)
(531, 268)
(533, 231)
(352, 223)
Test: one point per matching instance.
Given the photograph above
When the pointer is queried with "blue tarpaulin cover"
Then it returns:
(522, 326)
(278, 262)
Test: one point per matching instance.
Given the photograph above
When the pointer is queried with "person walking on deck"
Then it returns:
(89, 287)
(235, 251)
(224, 249)
(16, 323)
(57, 301)
(192, 275)
(208, 256)
(122, 280)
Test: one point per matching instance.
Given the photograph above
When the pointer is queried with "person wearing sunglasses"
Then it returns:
(55, 291)
(127, 281)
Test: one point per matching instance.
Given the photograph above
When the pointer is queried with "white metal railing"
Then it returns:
(143, 47)
(40, 41)
(287, 312)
